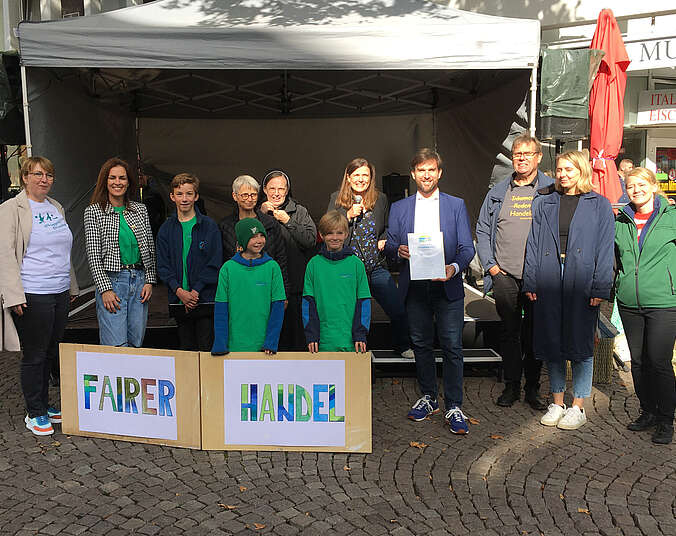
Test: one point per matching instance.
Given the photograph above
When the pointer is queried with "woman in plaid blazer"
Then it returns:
(121, 255)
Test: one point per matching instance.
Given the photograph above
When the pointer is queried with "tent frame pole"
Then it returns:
(533, 99)
(26, 114)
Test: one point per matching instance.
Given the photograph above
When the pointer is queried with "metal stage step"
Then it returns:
(471, 355)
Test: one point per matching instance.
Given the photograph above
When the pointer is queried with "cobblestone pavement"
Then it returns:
(510, 476)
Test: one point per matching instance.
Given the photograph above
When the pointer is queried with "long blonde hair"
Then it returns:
(581, 162)
(344, 198)
(646, 175)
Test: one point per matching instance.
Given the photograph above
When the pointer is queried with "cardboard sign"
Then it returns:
(292, 401)
(135, 394)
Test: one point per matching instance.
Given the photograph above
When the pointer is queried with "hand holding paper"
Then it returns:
(427, 256)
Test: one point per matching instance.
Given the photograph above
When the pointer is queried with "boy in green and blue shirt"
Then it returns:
(249, 307)
(336, 305)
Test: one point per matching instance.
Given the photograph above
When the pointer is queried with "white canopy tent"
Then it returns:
(224, 87)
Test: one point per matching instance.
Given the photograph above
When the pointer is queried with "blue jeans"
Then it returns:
(385, 292)
(127, 326)
(425, 302)
(582, 376)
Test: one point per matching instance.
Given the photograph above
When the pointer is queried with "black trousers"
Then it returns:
(292, 337)
(650, 336)
(516, 333)
(195, 328)
(40, 331)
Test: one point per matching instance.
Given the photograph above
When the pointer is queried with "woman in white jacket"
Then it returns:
(37, 283)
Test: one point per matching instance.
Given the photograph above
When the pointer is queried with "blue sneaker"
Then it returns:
(39, 425)
(457, 421)
(54, 415)
(423, 408)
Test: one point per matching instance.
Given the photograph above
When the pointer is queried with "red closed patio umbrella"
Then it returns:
(606, 106)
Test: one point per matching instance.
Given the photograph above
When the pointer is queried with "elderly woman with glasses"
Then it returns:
(299, 235)
(37, 283)
(245, 191)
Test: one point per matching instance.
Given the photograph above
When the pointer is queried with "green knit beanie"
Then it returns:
(246, 228)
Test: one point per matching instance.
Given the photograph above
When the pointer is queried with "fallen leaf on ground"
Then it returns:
(583, 510)
(472, 420)
(242, 488)
(395, 382)
(393, 521)
(347, 468)
(259, 526)
(561, 496)
(418, 444)
(495, 436)
(430, 475)
(228, 506)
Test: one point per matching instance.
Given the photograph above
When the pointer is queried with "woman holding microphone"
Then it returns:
(367, 211)
(37, 283)
(645, 246)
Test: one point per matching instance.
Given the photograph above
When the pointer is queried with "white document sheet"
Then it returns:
(427, 255)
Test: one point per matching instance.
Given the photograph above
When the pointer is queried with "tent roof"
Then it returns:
(283, 34)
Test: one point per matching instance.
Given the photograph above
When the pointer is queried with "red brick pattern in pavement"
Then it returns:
(509, 476)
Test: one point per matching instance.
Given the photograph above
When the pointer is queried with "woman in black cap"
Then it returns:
(300, 236)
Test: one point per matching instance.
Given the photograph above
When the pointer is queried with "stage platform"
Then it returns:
(480, 334)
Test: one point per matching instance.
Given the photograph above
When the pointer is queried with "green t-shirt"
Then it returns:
(129, 252)
(336, 286)
(249, 291)
(187, 241)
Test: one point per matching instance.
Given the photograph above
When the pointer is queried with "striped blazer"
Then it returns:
(102, 228)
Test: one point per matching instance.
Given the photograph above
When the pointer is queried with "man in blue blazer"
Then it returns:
(429, 211)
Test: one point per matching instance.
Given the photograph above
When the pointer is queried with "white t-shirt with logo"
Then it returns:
(46, 264)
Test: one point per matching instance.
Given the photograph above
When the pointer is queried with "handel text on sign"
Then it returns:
(657, 107)
(286, 403)
(129, 395)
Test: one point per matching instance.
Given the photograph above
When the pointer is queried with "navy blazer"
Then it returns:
(458, 245)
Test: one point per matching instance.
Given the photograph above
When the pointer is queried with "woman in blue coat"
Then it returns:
(568, 271)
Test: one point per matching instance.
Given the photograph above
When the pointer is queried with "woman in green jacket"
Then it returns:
(645, 246)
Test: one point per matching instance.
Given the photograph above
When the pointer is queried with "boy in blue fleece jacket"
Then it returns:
(189, 254)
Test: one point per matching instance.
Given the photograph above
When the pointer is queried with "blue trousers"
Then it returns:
(385, 292)
(582, 376)
(426, 302)
(126, 326)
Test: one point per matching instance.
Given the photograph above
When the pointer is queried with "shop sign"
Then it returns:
(654, 53)
(657, 107)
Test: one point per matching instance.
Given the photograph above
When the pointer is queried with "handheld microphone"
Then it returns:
(357, 201)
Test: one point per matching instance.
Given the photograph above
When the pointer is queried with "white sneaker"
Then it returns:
(553, 415)
(572, 419)
(408, 354)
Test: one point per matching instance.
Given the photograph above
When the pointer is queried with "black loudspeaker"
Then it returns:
(553, 127)
(395, 186)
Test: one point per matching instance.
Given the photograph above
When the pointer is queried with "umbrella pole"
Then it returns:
(26, 116)
(533, 96)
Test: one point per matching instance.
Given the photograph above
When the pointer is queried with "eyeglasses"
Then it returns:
(519, 156)
(280, 190)
(40, 175)
(248, 196)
